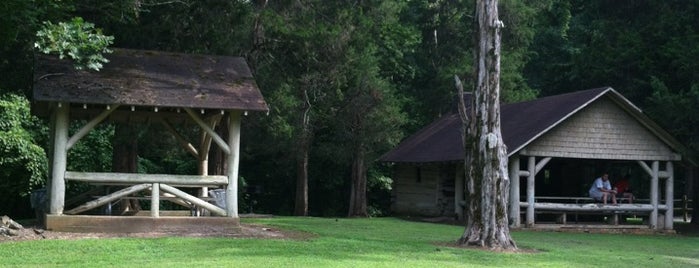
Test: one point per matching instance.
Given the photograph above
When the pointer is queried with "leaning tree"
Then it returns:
(485, 164)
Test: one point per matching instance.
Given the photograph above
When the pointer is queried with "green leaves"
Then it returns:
(77, 39)
(23, 163)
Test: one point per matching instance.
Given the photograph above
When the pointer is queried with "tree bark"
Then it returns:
(358, 201)
(125, 160)
(301, 205)
(302, 154)
(486, 160)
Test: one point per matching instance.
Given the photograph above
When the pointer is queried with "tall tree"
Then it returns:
(371, 116)
(298, 52)
(486, 160)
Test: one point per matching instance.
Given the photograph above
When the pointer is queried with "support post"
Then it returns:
(233, 158)
(530, 191)
(669, 196)
(654, 195)
(59, 159)
(514, 191)
(459, 192)
(155, 201)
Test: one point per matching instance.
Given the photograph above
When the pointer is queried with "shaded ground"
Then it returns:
(31, 232)
(680, 227)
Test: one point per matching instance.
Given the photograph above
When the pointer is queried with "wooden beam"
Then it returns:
(109, 198)
(531, 166)
(219, 141)
(669, 196)
(645, 167)
(204, 148)
(214, 209)
(233, 159)
(134, 178)
(59, 159)
(514, 191)
(89, 126)
(183, 142)
(541, 164)
(591, 207)
(155, 200)
(653, 221)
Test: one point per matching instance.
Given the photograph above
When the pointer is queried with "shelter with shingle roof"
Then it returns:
(570, 137)
(145, 86)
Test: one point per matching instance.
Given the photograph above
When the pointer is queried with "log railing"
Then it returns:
(563, 204)
(153, 182)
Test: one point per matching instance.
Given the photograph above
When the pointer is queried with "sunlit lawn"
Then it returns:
(376, 242)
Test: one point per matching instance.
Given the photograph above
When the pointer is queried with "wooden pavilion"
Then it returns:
(152, 86)
(571, 130)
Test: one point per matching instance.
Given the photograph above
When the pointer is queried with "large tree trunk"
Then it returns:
(125, 160)
(486, 166)
(358, 202)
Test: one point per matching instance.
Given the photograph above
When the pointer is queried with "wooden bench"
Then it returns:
(586, 205)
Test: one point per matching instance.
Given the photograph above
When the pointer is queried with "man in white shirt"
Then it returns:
(601, 190)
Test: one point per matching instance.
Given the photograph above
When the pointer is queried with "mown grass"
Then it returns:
(377, 242)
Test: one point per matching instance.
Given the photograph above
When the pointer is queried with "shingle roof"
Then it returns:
(521, 124)
(152, 78)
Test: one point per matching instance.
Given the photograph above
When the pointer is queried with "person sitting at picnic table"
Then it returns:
(601, 190)
(623, 189)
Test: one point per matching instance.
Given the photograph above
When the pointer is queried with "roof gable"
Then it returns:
(602, 130)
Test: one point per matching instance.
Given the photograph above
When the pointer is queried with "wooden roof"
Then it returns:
(153, 79)
(522, 123)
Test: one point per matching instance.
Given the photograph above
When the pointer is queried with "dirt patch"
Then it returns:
(245, 231)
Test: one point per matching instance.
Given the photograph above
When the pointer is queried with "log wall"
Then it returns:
(415, 196)
(430, 195)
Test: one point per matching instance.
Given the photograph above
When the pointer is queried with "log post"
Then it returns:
(233, 159)
(155, 201)
(59, 159)
(531, 167)
(654, 195)
(669, 196)
(514, 191)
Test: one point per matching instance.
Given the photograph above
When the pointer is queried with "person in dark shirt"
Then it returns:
(623, 189)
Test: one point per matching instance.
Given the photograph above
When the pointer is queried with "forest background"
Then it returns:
(347, 80)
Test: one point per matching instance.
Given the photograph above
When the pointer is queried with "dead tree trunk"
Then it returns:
(486, 156)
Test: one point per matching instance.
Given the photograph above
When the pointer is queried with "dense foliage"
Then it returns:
(347, 80)
(23, 165)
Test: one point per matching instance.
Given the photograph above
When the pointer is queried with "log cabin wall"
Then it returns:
(426, 190)
(601, 130)
(415, 190)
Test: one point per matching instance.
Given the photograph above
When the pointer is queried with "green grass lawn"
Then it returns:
(376, 242)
